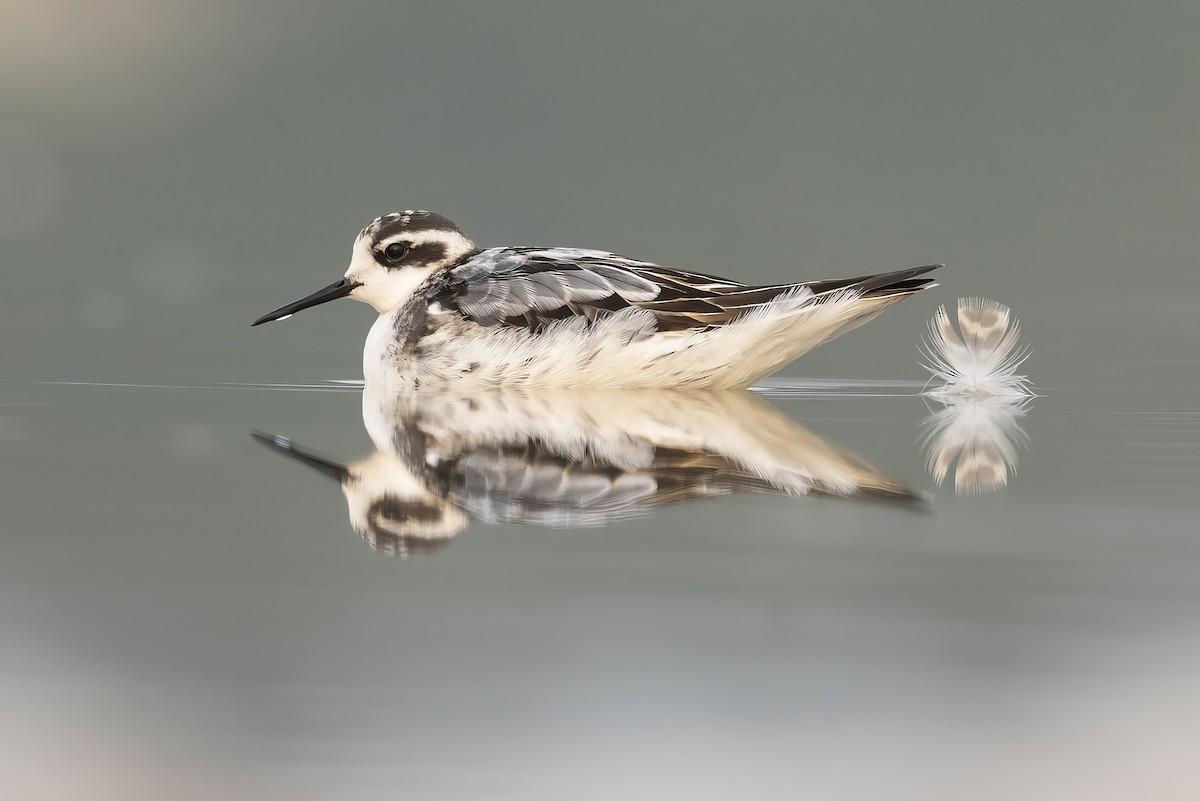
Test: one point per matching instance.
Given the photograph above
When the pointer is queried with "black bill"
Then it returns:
(284, 447)
(338, 289)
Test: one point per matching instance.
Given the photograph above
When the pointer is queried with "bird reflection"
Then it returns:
(979, 436)
(565, 459)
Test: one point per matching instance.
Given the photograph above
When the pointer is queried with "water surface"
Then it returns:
(169, 580)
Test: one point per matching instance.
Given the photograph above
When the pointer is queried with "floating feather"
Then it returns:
(983, 360)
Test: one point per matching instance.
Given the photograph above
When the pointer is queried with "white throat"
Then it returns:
(388, 290)
(379, 350)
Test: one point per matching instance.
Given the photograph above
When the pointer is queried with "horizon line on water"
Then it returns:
(836, 387)
(332, 385)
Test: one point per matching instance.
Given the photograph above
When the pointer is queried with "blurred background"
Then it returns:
(184, 614)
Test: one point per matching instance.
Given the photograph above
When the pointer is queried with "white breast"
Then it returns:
(624, 349)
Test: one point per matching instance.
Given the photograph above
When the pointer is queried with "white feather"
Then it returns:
(982, 360)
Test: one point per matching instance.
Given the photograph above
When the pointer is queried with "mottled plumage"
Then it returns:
(451, 313)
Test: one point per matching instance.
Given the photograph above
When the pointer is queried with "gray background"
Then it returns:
(182, 613)
(173, 170)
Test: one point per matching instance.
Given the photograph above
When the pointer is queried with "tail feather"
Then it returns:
(880, 284)
(725, 305)
(718, 306)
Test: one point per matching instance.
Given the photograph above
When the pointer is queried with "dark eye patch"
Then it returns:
(420, 255)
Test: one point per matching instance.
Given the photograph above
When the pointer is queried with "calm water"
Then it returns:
(179, 601)
(186, 612)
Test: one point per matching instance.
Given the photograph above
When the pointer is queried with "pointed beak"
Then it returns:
(338, 289)
(283, 446)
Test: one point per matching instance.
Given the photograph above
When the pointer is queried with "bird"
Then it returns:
(567, 458)
(452, 313)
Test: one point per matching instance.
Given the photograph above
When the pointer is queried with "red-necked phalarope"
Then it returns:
(561, 317)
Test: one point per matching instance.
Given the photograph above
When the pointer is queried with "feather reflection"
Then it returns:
(566, 459)
(979, 436)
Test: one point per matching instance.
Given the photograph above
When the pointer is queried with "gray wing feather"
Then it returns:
(502, 284)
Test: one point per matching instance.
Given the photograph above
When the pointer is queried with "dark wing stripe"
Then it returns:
(684, 306)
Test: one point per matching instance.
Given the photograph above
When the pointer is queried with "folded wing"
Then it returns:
(532, 287)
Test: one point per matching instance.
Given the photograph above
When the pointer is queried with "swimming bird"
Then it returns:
(571, 458)
(451, 313)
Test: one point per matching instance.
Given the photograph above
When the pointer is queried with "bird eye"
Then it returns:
(395, 251)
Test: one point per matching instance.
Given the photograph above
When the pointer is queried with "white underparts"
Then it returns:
(624, 349)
